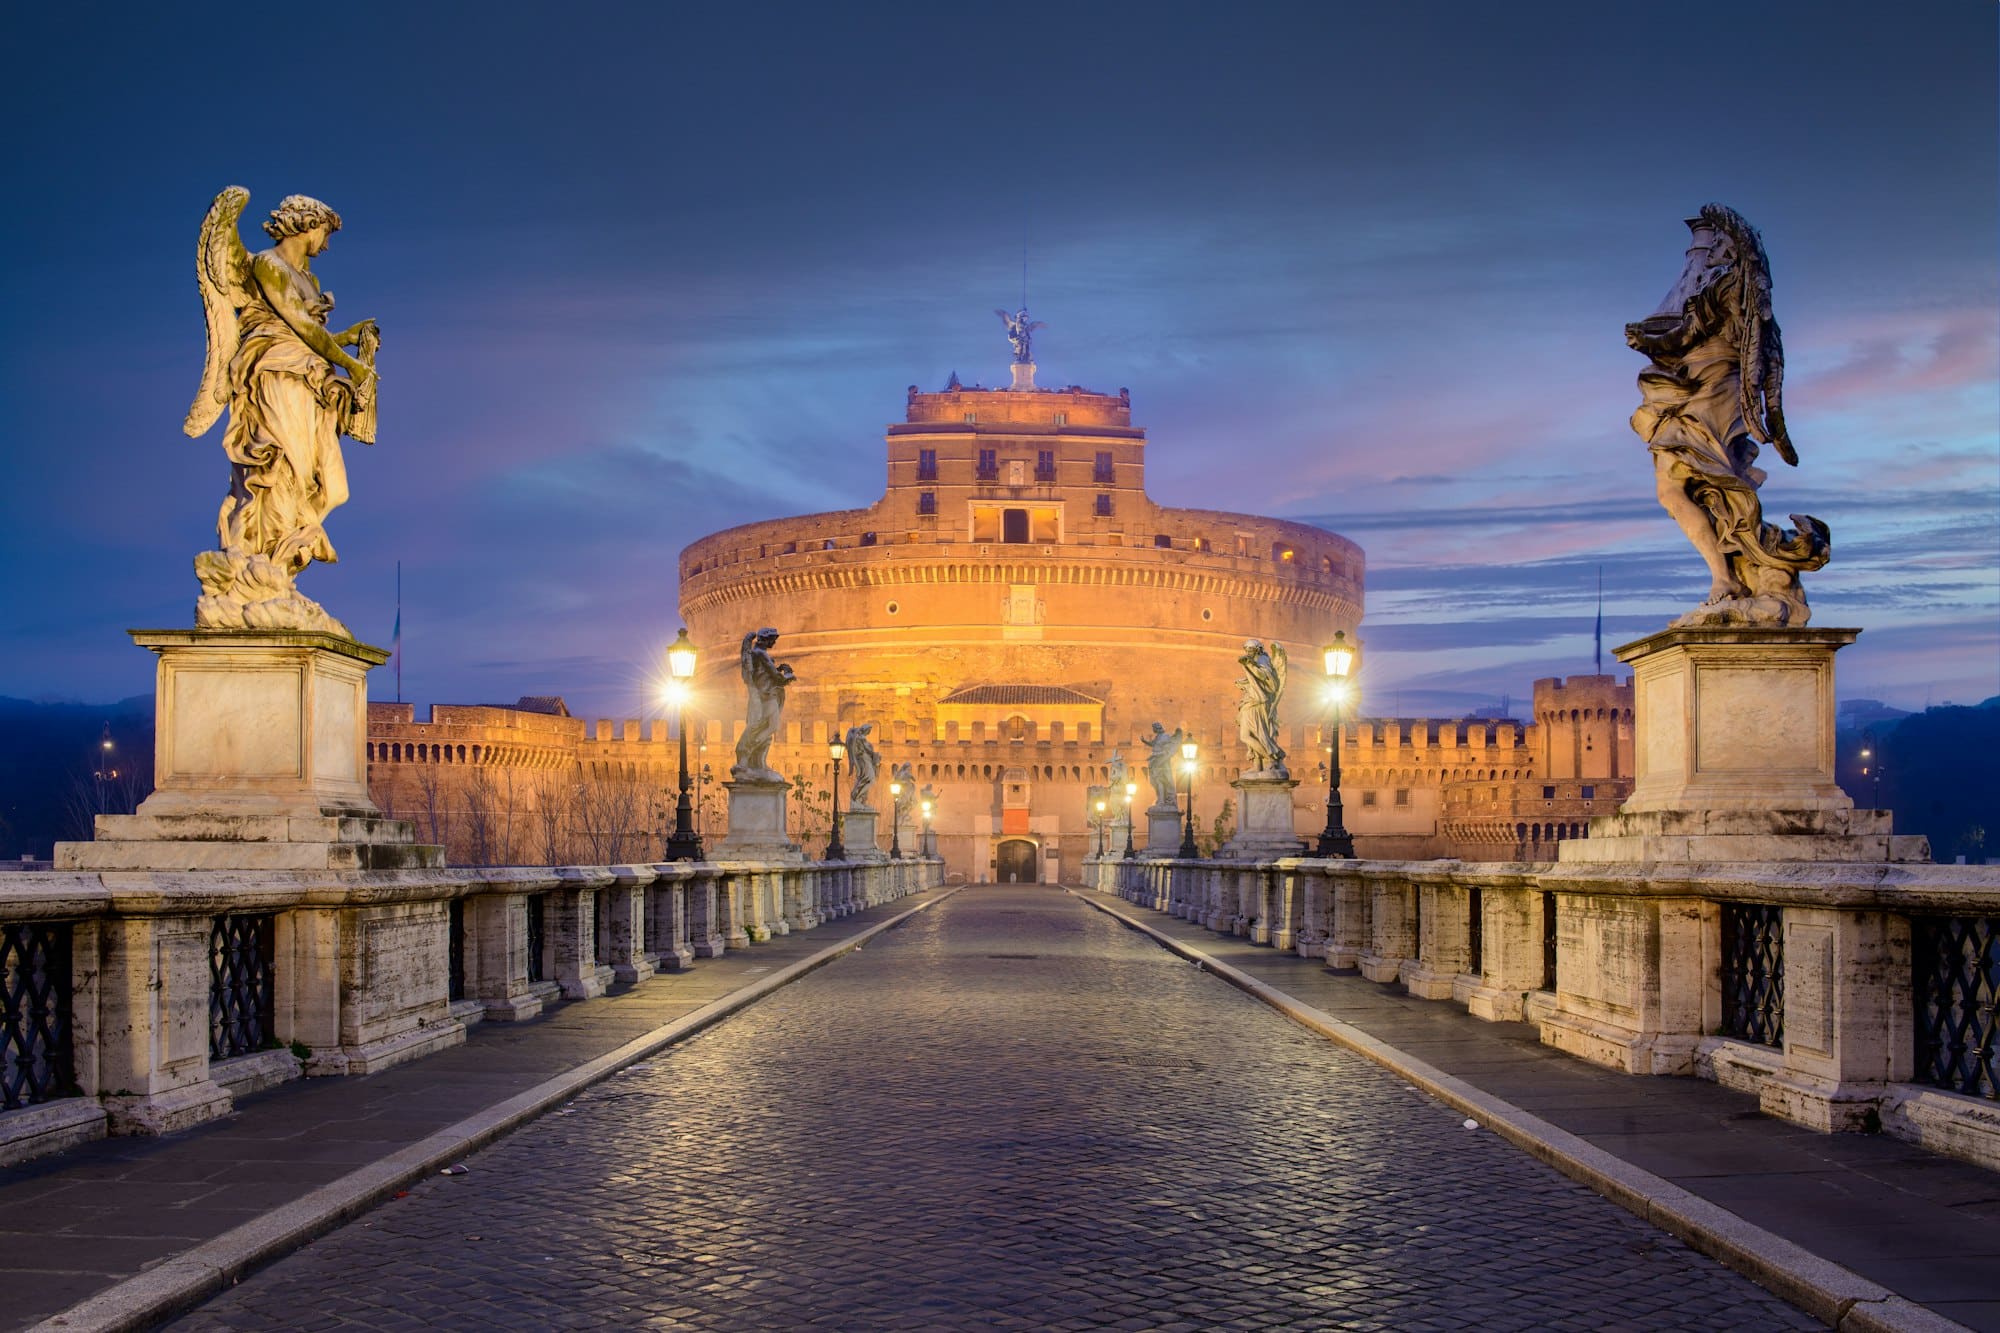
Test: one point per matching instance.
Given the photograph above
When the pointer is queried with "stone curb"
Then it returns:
(178, 1285)
(1836, 1296)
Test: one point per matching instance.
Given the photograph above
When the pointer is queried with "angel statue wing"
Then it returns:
(1760, 348)
(222, 271)
(1281, 666)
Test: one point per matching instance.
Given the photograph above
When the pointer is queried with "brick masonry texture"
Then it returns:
(1009, 1112)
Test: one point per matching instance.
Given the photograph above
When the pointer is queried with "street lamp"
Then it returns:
(1100, 830)
(895, 821)
(836, 748)
(1188, 850)
(926, 840)
(1131, 791)
(1341, 656)
(685, 843)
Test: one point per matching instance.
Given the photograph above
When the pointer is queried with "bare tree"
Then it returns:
(433, 819)
(482, 820)
(609, 810)
(101, 791)
(554, 817)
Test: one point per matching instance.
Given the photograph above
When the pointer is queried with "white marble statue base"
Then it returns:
(858, 836)
(1163, 831)
(757, 824)
(1024, 376)
(260, 762)
(1264, 825)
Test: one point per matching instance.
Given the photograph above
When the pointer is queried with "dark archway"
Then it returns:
(1017, 861)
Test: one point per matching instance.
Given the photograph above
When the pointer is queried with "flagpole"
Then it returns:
(1600, 620)
(398, 645)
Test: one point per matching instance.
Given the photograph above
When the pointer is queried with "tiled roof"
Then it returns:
(542, 703)
(1018, 694)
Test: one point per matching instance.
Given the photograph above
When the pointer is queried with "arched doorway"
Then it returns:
(1017, 861)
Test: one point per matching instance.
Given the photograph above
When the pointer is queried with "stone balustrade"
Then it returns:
(1844, 995)
(142, 1003)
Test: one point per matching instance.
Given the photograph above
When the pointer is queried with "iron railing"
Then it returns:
(240, 984)
(1753, 972)
(537, 933)
(1475, 933)
(455, 977)
(1548, 941)
(1956, 966)
(36, 1063)
(600, 926)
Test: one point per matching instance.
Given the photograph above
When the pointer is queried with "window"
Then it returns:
(791, 548)
(1402, 796)
(1103, 472)
(926, 465)
(826, 545)
(1162, 540)
(927, 502)
(1589, 793)
(972, 418)
(1548, 793)
(1014, 526)
(1368, 798)
(1104, 504)
(867, 539)
(1045, 465)
(989, 465)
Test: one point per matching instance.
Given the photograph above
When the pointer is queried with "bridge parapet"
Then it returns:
(148, 1002)
(1845, 995)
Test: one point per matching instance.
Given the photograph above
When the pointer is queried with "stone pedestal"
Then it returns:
(1024, 376)
(1734, 756)
(1263, 820)
(1163, 831)
(858, 835)
(757, 824)
(260, 762)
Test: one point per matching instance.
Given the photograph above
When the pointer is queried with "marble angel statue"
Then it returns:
(1163, 752)
(865, 763)
(292, 390)
(765, 680)
(1262, 684)
(905, 775)
(1712, 395)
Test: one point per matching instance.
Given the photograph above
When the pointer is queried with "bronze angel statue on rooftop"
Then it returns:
(1712, 395)
(1021, 333)
(292, 389)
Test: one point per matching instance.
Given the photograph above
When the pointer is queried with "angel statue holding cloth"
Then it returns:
(292, 389)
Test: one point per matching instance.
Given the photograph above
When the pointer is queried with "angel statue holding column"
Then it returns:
(292, 389)
(1262, 684)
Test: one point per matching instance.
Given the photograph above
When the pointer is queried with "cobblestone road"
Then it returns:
(1008, 1113)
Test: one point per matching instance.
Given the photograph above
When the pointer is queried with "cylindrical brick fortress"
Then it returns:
(1013, 610)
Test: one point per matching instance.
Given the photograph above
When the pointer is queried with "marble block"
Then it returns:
(757, 824)
(1264, 825)
(1163, 831)
(859, 837)
(260, 762)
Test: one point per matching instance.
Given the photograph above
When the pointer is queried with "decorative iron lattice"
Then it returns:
(1548, 941)
(1475, 933)
(35, 1053)
(455, 928)
(240, 985)
(537, 933)
(1956, 961)
(1753, 972)
(600, 925)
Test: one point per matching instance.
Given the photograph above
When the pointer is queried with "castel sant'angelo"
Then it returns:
(1012, 616)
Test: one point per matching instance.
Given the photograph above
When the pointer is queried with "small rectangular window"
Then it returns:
(1162, 540)
(1062, 418)
(972, 418)
(926, 465)
(1045, 465)
(989, 464)
(1402, 796)
(1104, 504)
(926, 502)
(1368, 798)
(1589, 793)
(1548, 793)
(1103, 472)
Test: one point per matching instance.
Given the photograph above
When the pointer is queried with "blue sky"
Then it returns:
(646, 271)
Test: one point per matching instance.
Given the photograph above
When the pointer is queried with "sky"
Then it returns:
(645, 271)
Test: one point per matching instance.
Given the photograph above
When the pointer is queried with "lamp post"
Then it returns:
(1334, 840)
(1131, 791)
(895, 821)
(1188, 850)
(834, 851)
(925, 841)
(685, 843)
(1100, 830)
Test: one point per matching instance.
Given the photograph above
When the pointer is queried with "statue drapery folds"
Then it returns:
(1712, 395)
(1262, 684)
(865, 764)
(765, 680)
(292, 390)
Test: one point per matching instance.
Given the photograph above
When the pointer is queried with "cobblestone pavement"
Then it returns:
(1010, 1112)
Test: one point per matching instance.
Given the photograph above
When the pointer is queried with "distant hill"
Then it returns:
(1938, 770)
(49, 755)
